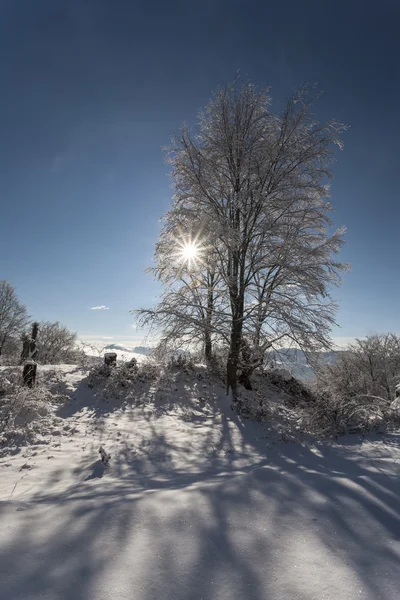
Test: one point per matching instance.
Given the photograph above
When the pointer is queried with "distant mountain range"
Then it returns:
(136, 350)
(296, 361)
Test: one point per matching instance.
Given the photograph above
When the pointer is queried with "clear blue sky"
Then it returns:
(91, 91)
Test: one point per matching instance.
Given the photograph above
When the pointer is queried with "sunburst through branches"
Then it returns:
(190, 252)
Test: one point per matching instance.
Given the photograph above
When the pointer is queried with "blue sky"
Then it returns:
(91, 91)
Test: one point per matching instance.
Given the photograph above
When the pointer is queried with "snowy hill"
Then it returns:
(196, 503)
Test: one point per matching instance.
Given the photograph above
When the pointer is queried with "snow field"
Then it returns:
(196, 504)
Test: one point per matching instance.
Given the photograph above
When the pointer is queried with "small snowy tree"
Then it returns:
(55, 343)
(251, 190)
(13, 315)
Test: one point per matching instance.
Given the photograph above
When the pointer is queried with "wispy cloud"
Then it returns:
(102, 307)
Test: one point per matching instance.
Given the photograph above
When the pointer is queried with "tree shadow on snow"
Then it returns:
(244, 533)
(216, 515)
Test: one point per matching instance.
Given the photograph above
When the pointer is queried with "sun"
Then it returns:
(190, 251)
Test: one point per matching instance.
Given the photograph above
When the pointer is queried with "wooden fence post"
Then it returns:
(29, 374)
(110, 359)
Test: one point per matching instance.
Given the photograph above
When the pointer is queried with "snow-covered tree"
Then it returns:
(13, 315)
(251, 190)
(55, 343)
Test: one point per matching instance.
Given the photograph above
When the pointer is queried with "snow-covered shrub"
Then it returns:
(253, 405)
(367, 367)
(124, 375)
(22, 409)
(115, 380)
(98, 373)
(267, 402)
(180, 361)
(355, 393)
(148, 370)
(274, 392)
(332, 415)
(296, 392)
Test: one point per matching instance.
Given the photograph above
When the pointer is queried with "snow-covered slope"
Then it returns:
(196, 504)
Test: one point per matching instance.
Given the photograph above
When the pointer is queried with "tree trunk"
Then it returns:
(233, 357)
(25, 349)
(236, 274)
(209, 314)
(252, 358)
(246, 366)
(244, 378)
(208, 347)
(33, 352)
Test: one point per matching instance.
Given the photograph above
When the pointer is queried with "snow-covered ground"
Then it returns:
(196, 504)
